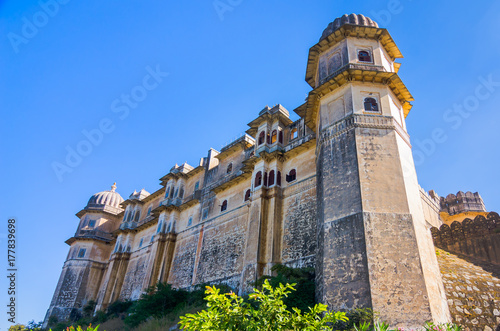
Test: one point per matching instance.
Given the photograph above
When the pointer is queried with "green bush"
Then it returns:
(303, 297)
(158, 301)
(231, 312)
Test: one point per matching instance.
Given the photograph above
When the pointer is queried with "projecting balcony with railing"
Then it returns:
(92, 233)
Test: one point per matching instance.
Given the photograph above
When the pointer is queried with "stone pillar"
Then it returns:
(252, 266)
(370, 238)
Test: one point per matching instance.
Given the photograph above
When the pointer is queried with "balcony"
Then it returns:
(93, 234)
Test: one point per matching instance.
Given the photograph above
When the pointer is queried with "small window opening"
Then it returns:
(294, 134)
(371, 104)
(258, 179)
(292, 175)
(223, 207)
(278, 179)
(190, 221)
(81, 252)
(247, 195)
(229, 168)
(262, 137)
(274, 136)
(280, 137)
(271, 178)
(364, 56)
(92, 224)
(137, 216)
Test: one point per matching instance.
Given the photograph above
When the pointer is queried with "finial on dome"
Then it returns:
(113, 188)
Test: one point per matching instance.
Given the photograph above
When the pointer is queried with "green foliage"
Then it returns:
(158, 301)
(52, 320)
(356, 319)
(17, 327)
(33, 326)
(88, 309)
(442, 327)
(118, 307)
(231, 312)
(79, 328)
(303, 297)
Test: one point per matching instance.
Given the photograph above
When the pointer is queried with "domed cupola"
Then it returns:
(353, 19)
(106, 198)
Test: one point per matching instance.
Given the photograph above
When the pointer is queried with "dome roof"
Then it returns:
(106, 198)
(348, 19)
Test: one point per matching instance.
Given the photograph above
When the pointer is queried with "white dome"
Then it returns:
(106, 198)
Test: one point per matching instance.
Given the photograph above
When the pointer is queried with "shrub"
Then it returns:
(158, 301)
(231, 312)
(303, 297)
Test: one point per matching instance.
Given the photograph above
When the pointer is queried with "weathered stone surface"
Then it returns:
(478, 309)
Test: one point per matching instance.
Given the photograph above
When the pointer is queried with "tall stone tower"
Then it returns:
(88, 256)
(374, 248)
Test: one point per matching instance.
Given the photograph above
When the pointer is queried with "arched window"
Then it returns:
(159, 226)
(167, 192)
(137, 215)
(294, 134)
(268, 139)
(172, 193)
(262, 137)
(125, 216)
(197, 186)
(149, 210)
(274, 136)
(223, 207)
(141, 242)
(265, 178)
(181, 192)
(292, 175)
(280, 137)
(364, 56)
(258, 179)
(271, 178)
(247, 195)
(190, 221)
(371, 104)
(278, 179)
(175, 192)
(169, 227)
(92, 224)
(130, 216)
(229, 168)
(81, 252)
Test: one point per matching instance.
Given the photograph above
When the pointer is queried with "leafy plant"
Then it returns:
(442, 327)
(303, 297)
(231, 312)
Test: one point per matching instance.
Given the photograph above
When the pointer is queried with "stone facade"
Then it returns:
(335, 190)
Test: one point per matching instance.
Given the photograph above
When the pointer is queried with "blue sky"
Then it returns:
(70, 73)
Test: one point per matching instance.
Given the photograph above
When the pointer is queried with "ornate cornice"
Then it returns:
(354, 73)
(348, 30)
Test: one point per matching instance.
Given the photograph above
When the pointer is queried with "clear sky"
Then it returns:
(66, 70)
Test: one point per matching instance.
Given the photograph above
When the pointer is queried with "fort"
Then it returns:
(336, 190)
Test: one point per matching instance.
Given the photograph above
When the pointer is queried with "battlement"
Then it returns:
(478, 238)
(462, 202)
